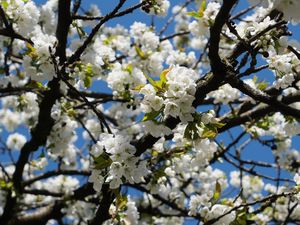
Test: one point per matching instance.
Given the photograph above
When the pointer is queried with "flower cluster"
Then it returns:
(225, 94)
(200, 27)
(176, 98)
(156, 7)
(284, 66)
(121, 81)
(289, 8)
(61, 140)
(124, 166)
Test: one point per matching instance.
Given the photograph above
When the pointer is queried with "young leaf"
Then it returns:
(209, 132)
(194, 14)
(218, 191)
(139, 87)
(129, 68)
(191, 131)
(87, 81)
(4, 4)
(121, 201)
(262, 85)
(102, 161)
(156, 84)
(163, 76)
(219, 125)
(202, 8)
(150, 116)
(140, 53)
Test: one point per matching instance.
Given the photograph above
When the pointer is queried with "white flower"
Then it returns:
(132, 214)
(219, 210)
(171, 109)
(124, 164)
(25, 14)
(97, 179)
(297, 178)
(170, 172)
(252, 184)
(103, 52)
(114, 182)
(200, 28)
(194, 204)
(209, 117)
(120, 80)
(155, 65)
(281, 63)
(149, 41)
(15, 141)
(97, 149)
(156, 130)
(159, 8)
(40, 68)
(11, 120)
(137, 29)
(225, 94)
(204, 150)
(61, 183)
(181, 58)
(284, 81)
(288, 7)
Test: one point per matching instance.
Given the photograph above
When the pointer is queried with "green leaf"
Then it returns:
(202, 8)
(31, 51)
(179, 152)
(191, 131)
(163, 75)
(255, 79)
(129, 68)
(163, 78)
(103, 161)
(218, 190)
(200, 12)
(139, 87)
(150, 116)
(87, 81)
(52, 145)
(2, 70)
(71, 113)
(154, 153)
(121, 202)
(36, 85)
(209, 132)
(6, 185)
(89, 70)
(4, 4)
(242, 218)
(262, 85)
(42, 155)
(194, 14)
(156, 84)
(140, 53)
(219, 125)
(159, 173)
(30, 47)
(106, 41)
(264, 124)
